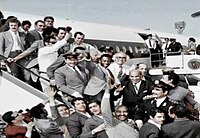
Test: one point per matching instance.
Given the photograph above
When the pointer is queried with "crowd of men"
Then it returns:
(101, 96)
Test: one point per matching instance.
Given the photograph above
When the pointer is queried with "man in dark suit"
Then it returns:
(174, 47)
(134, 91)
(157, 99)
(35, 34)
(182, 127)
(151, 129)
(71, 79)
(11, 44)
(94, 127)
(98, 75)
(76, 121)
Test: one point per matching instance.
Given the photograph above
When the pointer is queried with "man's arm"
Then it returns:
(106, 108)
(52, 68)
(28, 51)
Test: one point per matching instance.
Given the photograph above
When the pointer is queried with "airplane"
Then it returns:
(120, 38)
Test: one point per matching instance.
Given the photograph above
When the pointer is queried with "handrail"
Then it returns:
(4, 59)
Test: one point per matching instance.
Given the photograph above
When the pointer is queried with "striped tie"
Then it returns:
(120, 72)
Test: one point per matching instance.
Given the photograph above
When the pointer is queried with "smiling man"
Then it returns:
(71, 78)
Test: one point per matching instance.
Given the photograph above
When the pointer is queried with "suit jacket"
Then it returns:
(143, 112)
(91, 124)
(57, 118)
(133, 100)
(76, 122)
(32, 36)
(114, 68)
(182, 128)
(60, 61)
(69, 82)
(149, 130)
(97, 80)
(6, 42)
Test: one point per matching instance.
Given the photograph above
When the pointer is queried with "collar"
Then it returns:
(14, 32)
(85, 114)
(160, 100)
(154, 123)
(138, 84)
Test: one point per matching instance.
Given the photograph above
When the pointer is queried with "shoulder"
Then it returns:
(61, 69)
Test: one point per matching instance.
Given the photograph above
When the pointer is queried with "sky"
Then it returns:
(159, 15)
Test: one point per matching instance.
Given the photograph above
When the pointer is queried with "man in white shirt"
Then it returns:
(11, 44)
(48, 54)
(153, 126)
(118, 68)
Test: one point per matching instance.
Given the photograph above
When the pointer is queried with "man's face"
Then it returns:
(40, 26)
(61, 34)
(121, 113)
(80, 105)
(105, 62)
(63, 111)
(13, 27)
(143, 68)
(159, 118)
(158, 92)
(120, 58)
(49, 22)
(71, 61)
(95, 108)
(26, 27)
(79, 39)
(135, 76)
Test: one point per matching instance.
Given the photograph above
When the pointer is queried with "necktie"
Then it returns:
(17, 40)
(78, 74)
(120, 72)
(154, 103)
(136, 89)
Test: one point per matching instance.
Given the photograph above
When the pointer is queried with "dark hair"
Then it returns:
(152, 111)
(179, 110)
(48, 17)
(26, 22)
(80, 33)
(14, 20)
(7, 117)
(36, 22)
(61, 28)
(192, 39)
(68, 28)
(47, 38)
(37, 110)
(174, 77)
(62, 105)
(95, 101)
(77, 99)
(105, 55)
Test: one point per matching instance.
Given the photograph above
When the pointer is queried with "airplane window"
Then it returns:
(117, 49)
(130, 49)
(124, 49)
